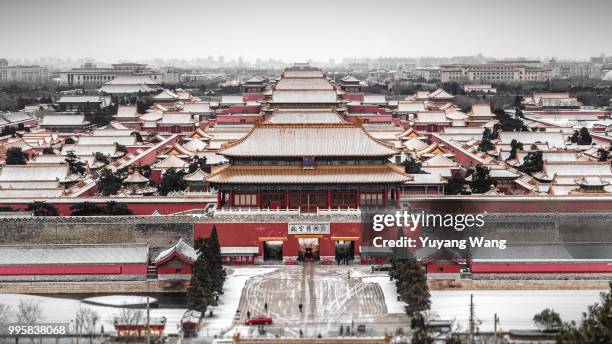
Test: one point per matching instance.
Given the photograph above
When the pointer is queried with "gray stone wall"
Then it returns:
(158, 231)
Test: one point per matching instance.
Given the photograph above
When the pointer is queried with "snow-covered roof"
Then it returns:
(172, 162)
(79, 99)
(232, 99)
(431, 117)
(74, 254)
(181, 248)
(176, 118)
(125, 111)
(64, 120)
(308, 140)
(166, 95)
(195, 145)
(410, 106)
(107, 140)
(82, 149)
(439, 160)
(135, 178)
(296, 73)
(196, 108)
(197, 176)
(298, 175)
(554, 140)
(374, 99)
(304, 97)
(303, 84)
(51, 172)
(305, 117)
(414, 144)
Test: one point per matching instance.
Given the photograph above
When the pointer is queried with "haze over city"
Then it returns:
(298, 31)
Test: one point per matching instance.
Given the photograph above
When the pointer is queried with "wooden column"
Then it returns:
(358, 198)
(397, 197)
(218, 199)
(287, 199)
(385, 195)
(231, 198)
(258, 198)
(329, 198)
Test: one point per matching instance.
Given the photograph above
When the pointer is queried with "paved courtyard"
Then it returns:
(331, 296)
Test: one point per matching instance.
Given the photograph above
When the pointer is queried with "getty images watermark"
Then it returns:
(423, 229)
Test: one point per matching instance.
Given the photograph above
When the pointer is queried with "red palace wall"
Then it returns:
(249, 234)
(443, 268)
(542, 267)
(124, 269)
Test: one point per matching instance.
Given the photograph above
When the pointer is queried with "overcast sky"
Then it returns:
(111, 30)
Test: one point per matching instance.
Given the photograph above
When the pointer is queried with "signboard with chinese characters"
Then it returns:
(309, 228)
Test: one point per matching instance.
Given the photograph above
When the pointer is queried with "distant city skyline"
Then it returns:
(291, 31)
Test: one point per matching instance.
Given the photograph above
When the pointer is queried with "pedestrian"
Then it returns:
(301, 333)
(300, 307)
(248, 314)
(341, 329)
(266, 307)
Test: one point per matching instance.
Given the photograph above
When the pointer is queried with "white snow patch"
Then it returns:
(228, 302)
(389, 291)
(120, 300)
(58, 310)
(515, 308)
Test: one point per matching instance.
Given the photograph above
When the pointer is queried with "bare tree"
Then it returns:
(85, 322)
(5, 314)
(129, 316)
(29, 312)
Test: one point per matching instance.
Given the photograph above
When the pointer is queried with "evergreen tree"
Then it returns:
(114, 208)
(582, 137)
(75, 165)
(86, 209)
(596, 325)
(412, 286)
(172, 181)
(200, 294)
(515, 146)
(109, 183)
(412, 166)
(41, 208)
(532, 163)
(48, 150)
(455, 185)
(213, 250)
(481, 180)
(485, 143)
(102, 158)
(420, 330)
(603, 154)
(15, 156)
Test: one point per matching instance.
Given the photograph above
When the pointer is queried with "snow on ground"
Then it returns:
(60, 310)
(120, 300)
(515, 308)
(389, 291)
(228, 302)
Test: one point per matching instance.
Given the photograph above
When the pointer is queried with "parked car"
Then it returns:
(383, 267)
(259, 320)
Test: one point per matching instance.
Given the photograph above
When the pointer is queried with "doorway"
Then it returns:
(345, 250)
(308, 249)
(273, 251)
